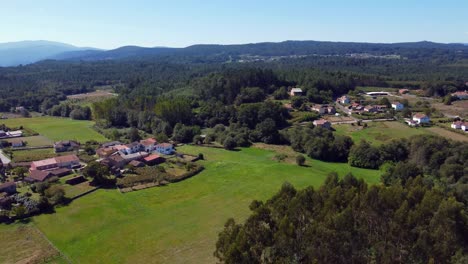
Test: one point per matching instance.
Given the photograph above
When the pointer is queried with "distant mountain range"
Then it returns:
(12, 54)
(26, 52)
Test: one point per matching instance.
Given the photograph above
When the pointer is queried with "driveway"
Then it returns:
(4, 158)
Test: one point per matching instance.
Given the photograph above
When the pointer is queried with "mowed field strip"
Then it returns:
(178, 223)
(55, 128)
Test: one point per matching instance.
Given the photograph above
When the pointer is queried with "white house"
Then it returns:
(148, 144)
(456, 125)
(421, 118)
(397, 106)
(344, 99)
(461, 95)
(464, 126)
(295, 91)
(165, 148)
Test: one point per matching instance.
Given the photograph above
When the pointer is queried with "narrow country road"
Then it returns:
(4, 158)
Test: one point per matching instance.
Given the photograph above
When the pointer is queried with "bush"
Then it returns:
(300, 160)
(229, 143)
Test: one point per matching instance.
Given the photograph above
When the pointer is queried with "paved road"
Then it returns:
(4, 158)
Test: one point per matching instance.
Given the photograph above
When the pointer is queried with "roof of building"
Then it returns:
(164, 145)
(296, 90)
(105, 151)
(137, 155)
(120, 147)
(460, 93)
(152, 157)
(136, 163)
(7, 184)
(133, 144)
(110, 144)
(458, 123)
(396, 103)
(39, 175)
(419, 116)
(67, 158)
(44, 162)
(60, 171)
(321, 122)
(148, 142)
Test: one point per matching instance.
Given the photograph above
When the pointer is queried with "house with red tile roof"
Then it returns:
(154, 159)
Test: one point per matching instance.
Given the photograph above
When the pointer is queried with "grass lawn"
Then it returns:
(22, 243)
(33, 154)
(35, 141)
(178, 223)
(56, 128)
(379, 132)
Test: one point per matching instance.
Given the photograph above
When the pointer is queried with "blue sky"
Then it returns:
(178, 23)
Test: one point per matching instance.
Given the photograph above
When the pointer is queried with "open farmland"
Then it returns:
(178, 223)
(379, 132)
(22, 243)
(56, 128)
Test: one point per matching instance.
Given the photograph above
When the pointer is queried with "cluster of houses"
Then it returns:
(324, 109)
(43, 170)
(116, 155)
(460, 125)
(460, 95)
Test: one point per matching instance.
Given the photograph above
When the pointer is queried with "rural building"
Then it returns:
(464, 126)
(135, 156)
(461, 95)
(148, 144)
(370, 109)
(456, 125)
(8, 187)
(17, 143)
(105, 152)
(154, 159)
(421, 118)
(403, 91)
(165, 148)
(321, 109)
(295, 92)
(331, 110)
(397, 106)
(110, 144)
(114, 161)
(38, 176)
(68, 161)
(322, 123)
(2, 134)
(343, 100)
(66, 145)
(136, 163)
(411, 122)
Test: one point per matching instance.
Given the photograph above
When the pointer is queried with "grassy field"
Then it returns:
(22, 243)
(448, 134)
(35, 141)
(379, 132)
(178, 223)
(33, 154)
(58, 128)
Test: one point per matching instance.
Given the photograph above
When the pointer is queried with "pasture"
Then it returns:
(55, 128)
(178, 223)
(379, 132)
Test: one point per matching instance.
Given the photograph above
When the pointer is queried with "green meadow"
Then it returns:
(178, 223)
(379, 132)
(56, 128)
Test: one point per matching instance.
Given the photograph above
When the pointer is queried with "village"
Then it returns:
(363, 107)
(72, 172)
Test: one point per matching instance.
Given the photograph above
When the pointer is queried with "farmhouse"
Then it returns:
(464, 126)
(295, 92)
(148, 144)
(456, 125)
(370, 109)
(397, 106)
(66, 145)
(403, 91)
(68, 161)
(343, 100)
(421, 118)
(8, 187)
(105, 152)
(461, 95)
(134, 156)
(17, 143)
(38, 176)
(114, 161)
(321, 109)
(110, 144)
(154, 159)
(165, 148)
(322, 123)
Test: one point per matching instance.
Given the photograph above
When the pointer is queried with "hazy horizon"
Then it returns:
(111, 24)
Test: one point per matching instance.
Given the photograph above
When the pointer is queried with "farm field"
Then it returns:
(178, 223)
(33, 154)
(56, 128)
(35, 141)
(22, 243)
(379, 132)
(448, 134)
